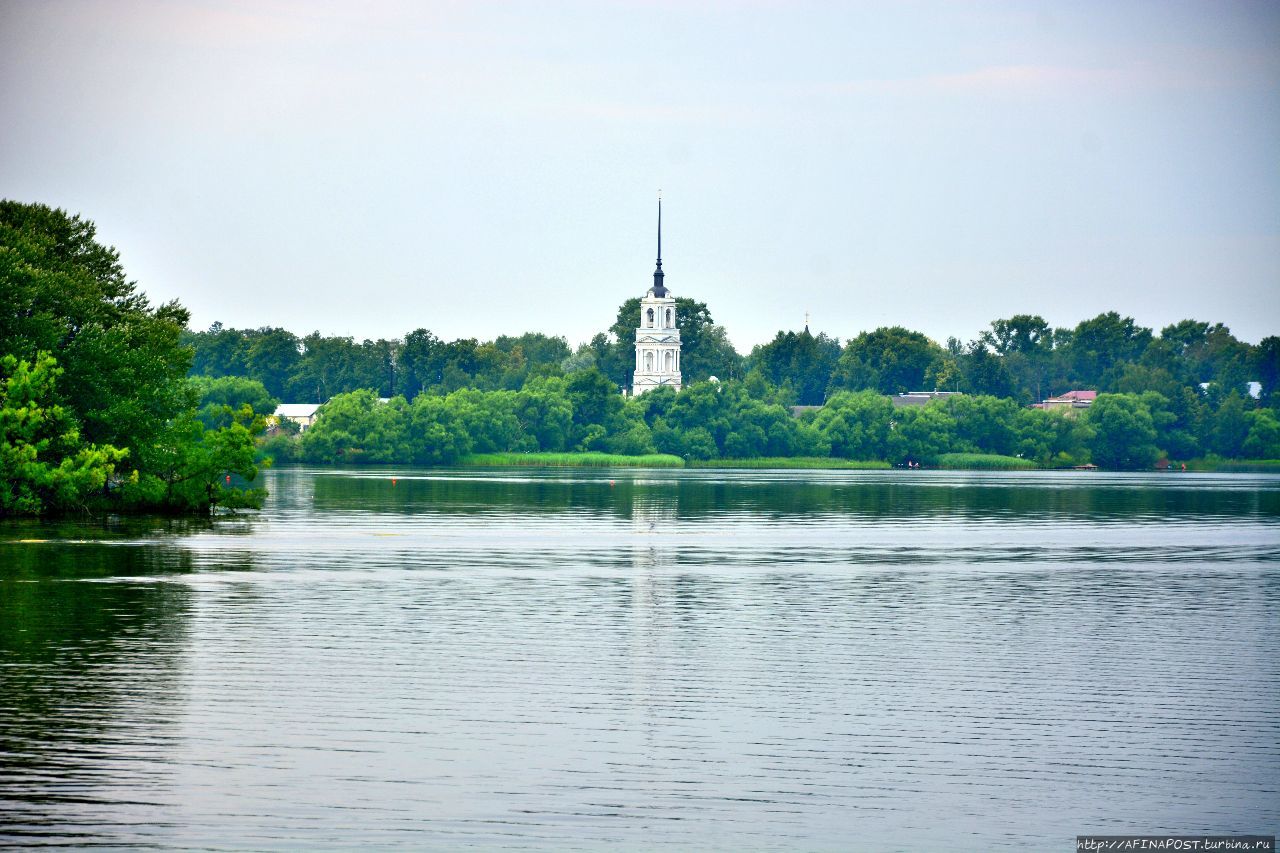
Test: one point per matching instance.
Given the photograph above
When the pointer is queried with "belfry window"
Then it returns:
(648, 361)
(668, 318)
(648, 316)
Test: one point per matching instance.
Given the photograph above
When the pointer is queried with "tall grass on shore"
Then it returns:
(1261, 466)
(984, 462)
(570, 460)
(810, 462)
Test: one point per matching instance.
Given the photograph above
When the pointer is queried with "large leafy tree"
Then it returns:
(1024, 343)
(799, 362)
(272, 358)
(65, 293)
(1022, 333)
(983, 372)
(1124, 434)
(890, 360)
(44, 464)
(1266, 366)
(422, 361)
(1263, 441)
(123, 369)
(223, 399)
(218, 351)
(1098, 348)
(857, 425)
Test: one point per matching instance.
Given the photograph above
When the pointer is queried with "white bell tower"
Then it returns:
(657, 339)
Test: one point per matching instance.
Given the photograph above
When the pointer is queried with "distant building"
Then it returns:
(1254, 389)
(302, 414)
(657, 338)
(920, 398)
(1072, 401)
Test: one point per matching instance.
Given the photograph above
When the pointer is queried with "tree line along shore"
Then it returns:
(110, 403)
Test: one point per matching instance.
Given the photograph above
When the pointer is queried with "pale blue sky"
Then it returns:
(481, 169)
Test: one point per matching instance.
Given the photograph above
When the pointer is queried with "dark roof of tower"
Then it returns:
(659, 289)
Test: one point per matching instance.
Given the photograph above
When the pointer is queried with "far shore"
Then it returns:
(951, 462)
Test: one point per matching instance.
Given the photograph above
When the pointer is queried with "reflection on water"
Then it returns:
(844, 660)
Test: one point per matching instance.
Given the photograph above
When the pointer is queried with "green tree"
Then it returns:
(596, 402)
(1052, 438)
(190, 467)
(984, 424)
(1101, 345)
(890, 360)
(123, 384)
(531, 354)
(44, 465)
(123, 368)
(922, 433)
(1266, 366)
(272, 358)
(1230, 427)
(221, 398)
(355, 428)
(1124, 435)
(983, 372)
(543, 409)
(422, 361)
(1209, 353)
(490, 419)
(1177, 420)
(1026, 334)
(435, 435)
(800, 362)
(1024, 344)
(856, 424)
(218, 351)
(1263, 441)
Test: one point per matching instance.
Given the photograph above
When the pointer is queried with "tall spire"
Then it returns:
(658, 289)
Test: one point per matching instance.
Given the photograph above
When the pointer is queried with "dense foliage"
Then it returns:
(315, 368)
(1180, 394)
(1197, 367)
(95, 408)
(722, 420)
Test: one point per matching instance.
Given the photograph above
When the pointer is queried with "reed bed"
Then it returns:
(570, 460)
(1262, 466)
(800, 462)
(984, 462)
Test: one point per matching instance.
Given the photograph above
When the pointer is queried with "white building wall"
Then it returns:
(661, 341)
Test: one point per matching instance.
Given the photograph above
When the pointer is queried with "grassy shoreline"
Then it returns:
(569, 460)
(1245, 466)
(984, 462)
(947, 461)
(809, 463)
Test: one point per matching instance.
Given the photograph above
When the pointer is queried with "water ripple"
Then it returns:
(842, 661)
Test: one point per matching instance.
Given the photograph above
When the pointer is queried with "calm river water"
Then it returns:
(684, 659)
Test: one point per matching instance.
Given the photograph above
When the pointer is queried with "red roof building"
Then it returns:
(1072, 400)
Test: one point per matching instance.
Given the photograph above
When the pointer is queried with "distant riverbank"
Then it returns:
(947, 461)
(657, 460)
(973, 461)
